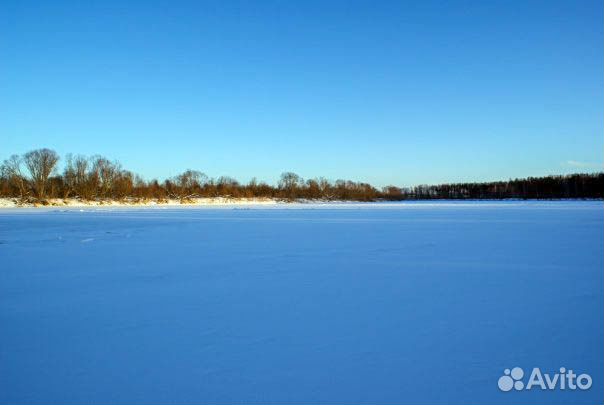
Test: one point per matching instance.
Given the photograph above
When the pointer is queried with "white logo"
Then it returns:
(565, 379)
(511, 379)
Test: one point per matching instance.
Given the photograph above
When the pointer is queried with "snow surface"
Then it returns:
(416, 303)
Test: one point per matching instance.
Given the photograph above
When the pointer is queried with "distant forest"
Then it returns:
(35, 176)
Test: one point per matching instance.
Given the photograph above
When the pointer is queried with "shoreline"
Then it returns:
(207, 202)
(79, 203)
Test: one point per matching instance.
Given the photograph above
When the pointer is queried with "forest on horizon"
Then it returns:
(35, 176)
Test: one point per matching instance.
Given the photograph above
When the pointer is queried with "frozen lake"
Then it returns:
(351, 303)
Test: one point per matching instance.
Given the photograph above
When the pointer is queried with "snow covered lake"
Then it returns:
(349, 303)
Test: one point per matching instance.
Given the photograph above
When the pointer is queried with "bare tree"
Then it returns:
(75, 176)
(123, 184)
(40, 163)
(105, 174)
(227, 186)
(190, 182)
(11, 170)
(289, 183)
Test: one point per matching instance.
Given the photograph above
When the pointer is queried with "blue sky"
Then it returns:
(386, 92)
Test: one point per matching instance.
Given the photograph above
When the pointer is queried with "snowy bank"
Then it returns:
(226, 202)
(75, 202)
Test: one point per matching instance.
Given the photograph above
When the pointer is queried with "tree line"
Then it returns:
(35, 176)
(577, 186)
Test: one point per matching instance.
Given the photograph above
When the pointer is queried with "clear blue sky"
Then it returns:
(386, 92)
